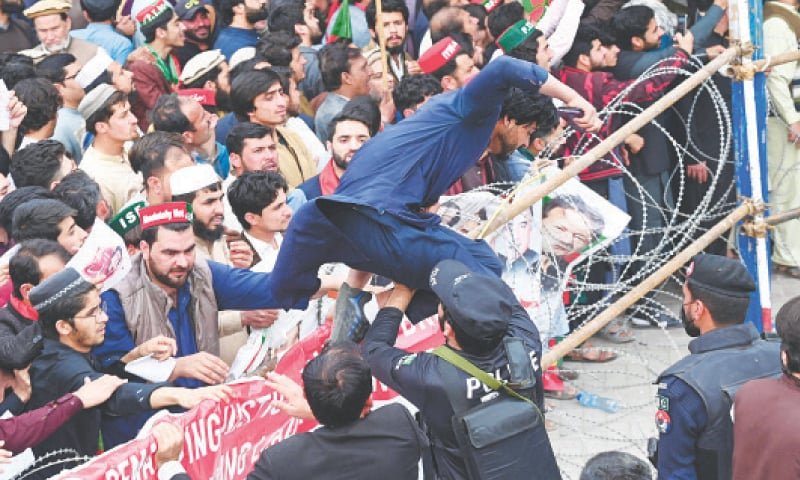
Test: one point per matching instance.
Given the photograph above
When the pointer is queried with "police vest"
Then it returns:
(716, 376)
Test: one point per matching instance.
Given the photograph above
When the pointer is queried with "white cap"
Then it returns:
(201, 64)
(242, 55)
(191, 179)
(93, 68)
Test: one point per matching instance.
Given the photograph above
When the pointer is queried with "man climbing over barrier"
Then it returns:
(378, 222)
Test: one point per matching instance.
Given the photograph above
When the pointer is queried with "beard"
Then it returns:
(688, 325)
(339, 161)
(256, 15)
(396, 50)
(164, 278)
(189, 34)
(11, 7)
(206, 233)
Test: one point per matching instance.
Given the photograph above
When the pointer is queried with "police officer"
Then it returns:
(475, 314)
(695, 394)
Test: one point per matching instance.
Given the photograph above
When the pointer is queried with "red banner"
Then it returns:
(224, 440)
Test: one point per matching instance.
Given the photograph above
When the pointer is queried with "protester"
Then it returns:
(109, 118)
(16, 34)
(207, 76)
(80, 192)
(50, 220)
(694, 400)
(156, 156)
(615, 466)
(345, 74)
(337, 385)
(41, 164)
(73, 323)
(100, 30)
(762, 443)
(413, 91)
(450, 61)
(52, 25)
(40, 120)
(199, 29)
(63, 69)
(240, 18)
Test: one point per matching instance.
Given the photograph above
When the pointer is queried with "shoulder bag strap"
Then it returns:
(450, 356)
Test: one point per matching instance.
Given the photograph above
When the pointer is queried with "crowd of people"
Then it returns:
(237, 146)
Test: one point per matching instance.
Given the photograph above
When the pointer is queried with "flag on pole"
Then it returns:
(342, 28)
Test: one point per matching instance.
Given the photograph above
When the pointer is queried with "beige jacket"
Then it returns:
(294, 159)
(146, 306)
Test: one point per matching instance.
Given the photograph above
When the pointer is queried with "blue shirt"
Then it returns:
(221, 164)
(411, 164)
(117, 45)
(231, 39)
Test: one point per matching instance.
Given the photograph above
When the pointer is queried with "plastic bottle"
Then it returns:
(595, 401)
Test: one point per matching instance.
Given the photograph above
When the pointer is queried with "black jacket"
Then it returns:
(20, 339)
(386, 444)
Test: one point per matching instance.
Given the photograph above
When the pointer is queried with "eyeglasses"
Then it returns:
(101, 310)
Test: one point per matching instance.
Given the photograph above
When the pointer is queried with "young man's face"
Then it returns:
(348, 137)
(543, 54)
(260, 154)
(174, 32)
(652, 36)
(565, 231)
(198, 28)
(202, 121)
(394, 30)
(298, 65)
(122, 125)
(171, 258)
(597, 55)
(89, 325)
(270, 107)
(53, 31)
(511, 136)
(359, 74)
(611, 56)
(208, 214)
(48, 265)
(274, 217)
(72, 92)
(465, 70)
(376, 90)
(70, 235)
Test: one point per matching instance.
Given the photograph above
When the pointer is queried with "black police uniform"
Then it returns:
(416, 376)
(695, 394)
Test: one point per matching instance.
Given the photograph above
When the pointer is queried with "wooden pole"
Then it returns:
(530, 197)
(748, 207)
(382, 44)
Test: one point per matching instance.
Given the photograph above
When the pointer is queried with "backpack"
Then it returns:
(504, 437)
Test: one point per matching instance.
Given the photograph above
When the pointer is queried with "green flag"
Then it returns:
(534, 9)
(342, 27)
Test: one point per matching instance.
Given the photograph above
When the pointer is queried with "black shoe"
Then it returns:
(349, 320)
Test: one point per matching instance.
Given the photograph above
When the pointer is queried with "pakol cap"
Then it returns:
(127, 219)
(153, 13)
(164, 213)
(206, 97)
(187, 8)
(56, 287)
(201, 64)
(47, 7)
(478, 305)
(439, 54)
(191, 179)
(94, 68)
(94, 100)
(488, 5)
(515, 35)
(720, 275)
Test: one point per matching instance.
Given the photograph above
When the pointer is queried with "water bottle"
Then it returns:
(595, 401)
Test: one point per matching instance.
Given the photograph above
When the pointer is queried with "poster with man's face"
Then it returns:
(540, 247)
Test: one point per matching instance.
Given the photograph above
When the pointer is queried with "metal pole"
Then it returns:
(749, 119)
(618, 308)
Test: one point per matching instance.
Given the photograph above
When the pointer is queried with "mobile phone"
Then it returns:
(570, 114)
(682, 23)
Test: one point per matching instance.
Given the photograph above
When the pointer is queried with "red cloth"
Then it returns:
(5, 293)
(30, 428)
(599, 88)
(328, 180)
(150, 84)
(23, 308)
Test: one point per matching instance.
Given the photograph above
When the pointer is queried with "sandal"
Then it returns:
(593, 355)
(567, 393)
(566, 374)
(793, 272)
(617, 331)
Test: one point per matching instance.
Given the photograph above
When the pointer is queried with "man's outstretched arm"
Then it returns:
(485, 93)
